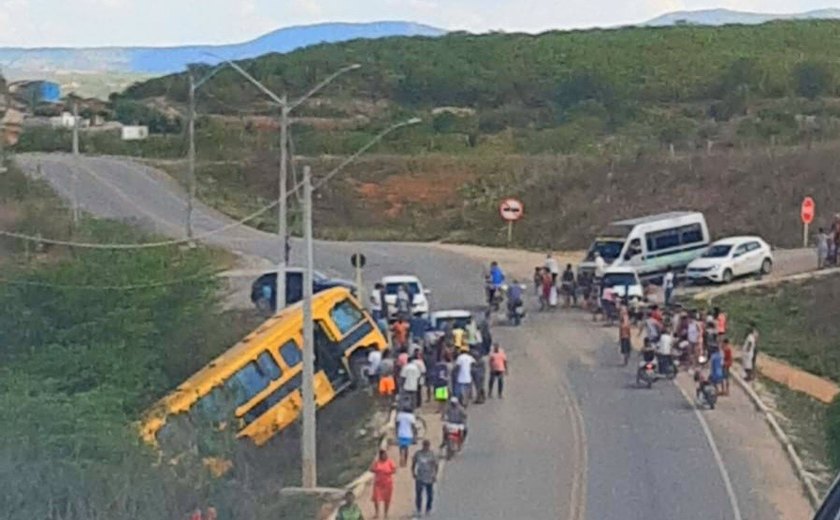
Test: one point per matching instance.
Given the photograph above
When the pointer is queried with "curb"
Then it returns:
(710, 294)
(783, 438)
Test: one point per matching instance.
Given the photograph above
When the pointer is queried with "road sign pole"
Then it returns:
(805, 235)
(510, 231)
(359, 284)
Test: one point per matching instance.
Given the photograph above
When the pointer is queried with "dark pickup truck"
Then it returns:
(263, 288)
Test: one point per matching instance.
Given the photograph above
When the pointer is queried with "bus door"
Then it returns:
(329, 356)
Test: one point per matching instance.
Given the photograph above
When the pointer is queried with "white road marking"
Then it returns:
(724, 474)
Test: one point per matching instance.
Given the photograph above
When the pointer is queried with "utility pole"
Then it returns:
(75, 208)
(282, 206)
(309, 446)
(191, 153)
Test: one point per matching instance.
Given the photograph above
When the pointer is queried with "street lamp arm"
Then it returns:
(197, 84)
(274, 97)
(329, 79)
(361, 151)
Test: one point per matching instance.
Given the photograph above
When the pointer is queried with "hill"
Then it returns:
(730, 17)
(161, 60)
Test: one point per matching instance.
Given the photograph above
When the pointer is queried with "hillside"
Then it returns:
(730, 17)
(162, 60)
(737, 121)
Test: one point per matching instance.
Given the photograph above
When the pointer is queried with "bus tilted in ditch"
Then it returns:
(254, 387)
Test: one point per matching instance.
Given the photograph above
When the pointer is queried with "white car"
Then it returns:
(438, 321)
(730, 258)
(624, 282)
(419, 294)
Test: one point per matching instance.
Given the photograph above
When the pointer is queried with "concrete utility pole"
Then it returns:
(75, 208)
(286, 109)
(282, 205)
(191, 180)
(75, 127)
(309, 445)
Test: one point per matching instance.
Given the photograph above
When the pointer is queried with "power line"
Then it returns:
(222, 229)
(127, 287)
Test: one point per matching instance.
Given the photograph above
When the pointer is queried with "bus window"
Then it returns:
(272, 399)
(252, 379)
(346, 316)
(290, 352)
(663, 240)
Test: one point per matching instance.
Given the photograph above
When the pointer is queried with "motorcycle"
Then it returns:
(706, 392)
(515, 312)
(495, 297)
(454, 439)
(651, 370)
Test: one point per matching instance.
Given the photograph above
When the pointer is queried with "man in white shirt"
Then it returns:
(376, 302)
(374, 361)
(600, 266)
(668, 285)
(406, 431)
(464, 363)
(410, 382)
(664, 348)
(552, 266)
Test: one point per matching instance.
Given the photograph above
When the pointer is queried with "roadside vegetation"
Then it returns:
(88, 340)
(797, 323)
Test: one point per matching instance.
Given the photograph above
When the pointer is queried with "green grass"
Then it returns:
(805, 424)
(797, 322)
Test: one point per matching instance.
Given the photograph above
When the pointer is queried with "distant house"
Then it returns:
(35, 92)
(135, 133)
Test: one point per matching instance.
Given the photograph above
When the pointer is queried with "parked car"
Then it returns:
(267, 283)
(419, 294)
(624, 281)
(730, 258)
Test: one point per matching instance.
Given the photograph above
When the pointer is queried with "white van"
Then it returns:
(650, 245)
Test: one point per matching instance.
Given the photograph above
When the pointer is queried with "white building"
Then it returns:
(135, 133)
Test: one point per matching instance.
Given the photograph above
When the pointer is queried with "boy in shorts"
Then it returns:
(406, 431)
(727, 364)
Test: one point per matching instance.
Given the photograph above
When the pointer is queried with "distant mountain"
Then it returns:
(729, 17)
(163, 60)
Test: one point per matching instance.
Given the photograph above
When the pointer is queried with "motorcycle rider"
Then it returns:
(495, 280)
(454, 416)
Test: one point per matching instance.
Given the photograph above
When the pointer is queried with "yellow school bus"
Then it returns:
(255, 386)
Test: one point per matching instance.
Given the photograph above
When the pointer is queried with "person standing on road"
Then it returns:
(498, 369)
(349, 510)
(463, 390)
(600, 267)
(479, 376)
(424, 467)
(750, 353)
(624, 330)
(568, 284)
(410, 375)
(399, 331)
(374, 361)
(727, 364)
(822, 249)
(383, 469)
(404, 301)
(440, 380)
(421, 364)
(406, 426)
(376, 305)
(668, 284)
(716, 374)
(484, 329)
(552, 266)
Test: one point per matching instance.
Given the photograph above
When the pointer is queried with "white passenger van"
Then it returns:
(650, 244)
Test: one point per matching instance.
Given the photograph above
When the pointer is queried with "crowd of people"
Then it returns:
(449, 369)
(696, 339)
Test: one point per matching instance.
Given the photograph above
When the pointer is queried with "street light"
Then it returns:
(286, 109)
(193, 86)
(309, 426)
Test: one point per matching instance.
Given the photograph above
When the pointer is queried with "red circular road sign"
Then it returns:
(808, 210)
(511, 210)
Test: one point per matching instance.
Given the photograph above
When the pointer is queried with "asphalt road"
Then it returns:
(573, 438)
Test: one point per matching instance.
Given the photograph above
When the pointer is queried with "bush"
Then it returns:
(813, 79)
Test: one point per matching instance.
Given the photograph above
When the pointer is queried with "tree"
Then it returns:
(813, 79)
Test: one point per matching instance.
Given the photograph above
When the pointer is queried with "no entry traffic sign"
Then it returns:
(808, 210)
(511, 210)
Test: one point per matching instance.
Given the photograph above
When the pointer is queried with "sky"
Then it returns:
(33, 23)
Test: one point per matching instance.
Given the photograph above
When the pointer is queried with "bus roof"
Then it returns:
(656, 218)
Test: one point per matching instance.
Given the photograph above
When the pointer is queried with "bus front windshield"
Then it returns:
(609, 249)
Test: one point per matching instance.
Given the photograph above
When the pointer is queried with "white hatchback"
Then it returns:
(730, 258)
(419, 294)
